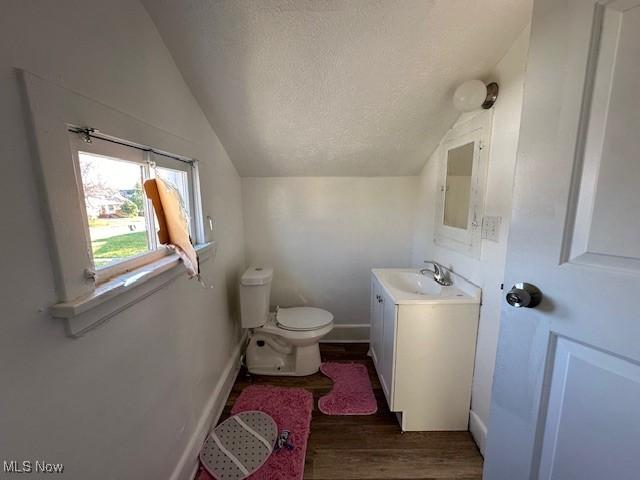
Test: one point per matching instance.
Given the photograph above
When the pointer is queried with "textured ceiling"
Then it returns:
(329, 87)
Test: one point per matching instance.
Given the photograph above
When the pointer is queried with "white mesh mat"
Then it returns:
(239, 446)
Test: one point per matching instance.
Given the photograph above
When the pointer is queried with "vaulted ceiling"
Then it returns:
(333, 87)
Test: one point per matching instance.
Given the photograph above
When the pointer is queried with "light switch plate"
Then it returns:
(491, 228)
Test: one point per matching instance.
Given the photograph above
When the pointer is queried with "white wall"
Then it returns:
(123, 401)
(488, 271)
(324, 234)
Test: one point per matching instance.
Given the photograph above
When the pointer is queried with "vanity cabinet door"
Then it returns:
(386, 369)
(375, 342)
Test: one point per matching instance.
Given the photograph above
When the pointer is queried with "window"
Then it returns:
(120, 222)
(102, 231)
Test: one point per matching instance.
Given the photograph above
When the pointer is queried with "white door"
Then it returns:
(375, 342)
(388, 345)
(566, 395)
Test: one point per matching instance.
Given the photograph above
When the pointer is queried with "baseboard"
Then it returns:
(188, 463)
(478, 430)
(348, 333)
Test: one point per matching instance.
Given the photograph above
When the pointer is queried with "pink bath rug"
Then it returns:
(291, 409)
(351, 393)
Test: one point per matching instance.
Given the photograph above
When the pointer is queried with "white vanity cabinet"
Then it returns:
(382, 343)
(423, 348)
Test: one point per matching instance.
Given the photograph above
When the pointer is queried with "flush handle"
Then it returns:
(524, 295)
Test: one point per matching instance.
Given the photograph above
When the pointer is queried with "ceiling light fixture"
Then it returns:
(474, 94)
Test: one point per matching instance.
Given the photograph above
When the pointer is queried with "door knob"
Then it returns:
(524, 295)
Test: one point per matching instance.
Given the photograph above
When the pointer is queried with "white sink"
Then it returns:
(408, 285)
(415, 283)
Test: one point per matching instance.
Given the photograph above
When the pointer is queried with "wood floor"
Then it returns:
(371, 446)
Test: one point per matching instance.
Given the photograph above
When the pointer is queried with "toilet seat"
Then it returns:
(302, 318)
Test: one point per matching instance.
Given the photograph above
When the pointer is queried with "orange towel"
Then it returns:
(173, 223)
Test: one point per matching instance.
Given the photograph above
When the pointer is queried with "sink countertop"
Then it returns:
(462, 291)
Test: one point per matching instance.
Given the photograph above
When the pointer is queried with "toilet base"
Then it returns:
(268, 355)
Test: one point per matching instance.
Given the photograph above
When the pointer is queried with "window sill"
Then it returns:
(121, 292)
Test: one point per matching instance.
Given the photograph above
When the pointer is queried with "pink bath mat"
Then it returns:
(351, 393)
(291, 409)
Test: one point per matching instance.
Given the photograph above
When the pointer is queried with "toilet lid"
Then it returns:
(303, 318)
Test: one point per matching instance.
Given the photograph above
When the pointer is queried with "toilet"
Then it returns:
(284, 342)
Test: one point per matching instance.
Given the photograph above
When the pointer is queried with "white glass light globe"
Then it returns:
(470, 95)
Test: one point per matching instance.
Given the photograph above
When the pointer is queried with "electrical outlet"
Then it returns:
(491, 228)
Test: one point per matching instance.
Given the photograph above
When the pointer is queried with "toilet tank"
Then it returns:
(255, 292)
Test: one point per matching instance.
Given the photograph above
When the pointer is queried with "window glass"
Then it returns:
(116, 208)
(179, 180)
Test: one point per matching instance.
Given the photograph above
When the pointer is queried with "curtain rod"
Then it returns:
(87, 133)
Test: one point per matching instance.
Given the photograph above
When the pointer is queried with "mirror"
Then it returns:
(462, 179)
(458, 186)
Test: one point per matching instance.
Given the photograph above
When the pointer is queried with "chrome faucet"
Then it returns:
(440, 274)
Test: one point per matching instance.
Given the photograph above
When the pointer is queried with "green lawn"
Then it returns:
(113, 248)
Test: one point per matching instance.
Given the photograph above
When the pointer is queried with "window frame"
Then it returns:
(110, 149)
(53, 110)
